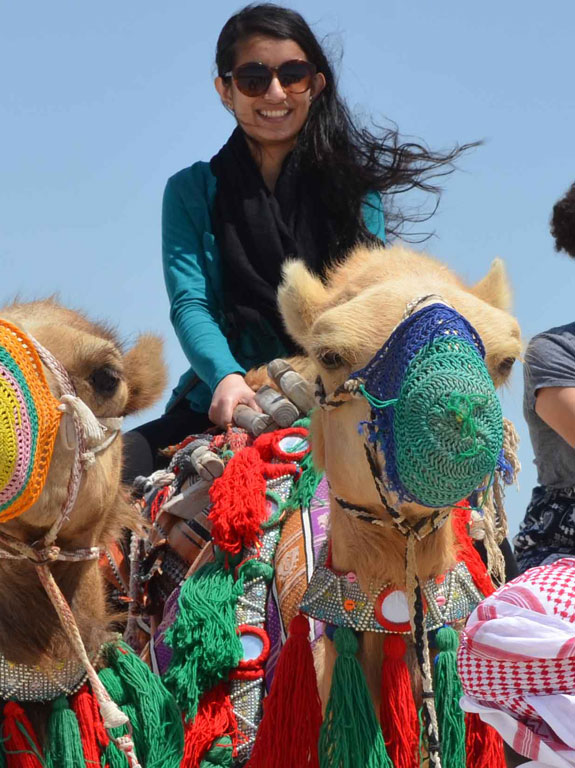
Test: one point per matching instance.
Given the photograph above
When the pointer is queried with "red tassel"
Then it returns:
(92, 731)
(289, 731)
(239, 502)
(215, 718)
(158, 502)
(20, 742)
(483, 745)
(467, 553)
(398, 713)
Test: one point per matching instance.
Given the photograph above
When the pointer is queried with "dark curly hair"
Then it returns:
(350, 160)
(563, 223)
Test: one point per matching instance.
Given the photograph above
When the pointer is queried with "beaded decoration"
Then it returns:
(338, 600)
(22, 682)
(29, 421)
(434, 409)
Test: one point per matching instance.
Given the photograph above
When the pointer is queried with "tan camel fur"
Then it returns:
(112, 382)
(341, 323)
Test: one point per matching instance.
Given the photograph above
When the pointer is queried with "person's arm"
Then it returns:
(193, 307)
(556, 406)
(373, 215)
(550, 382)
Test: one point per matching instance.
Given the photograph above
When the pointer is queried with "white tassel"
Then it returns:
(91, 428)
(112, 715)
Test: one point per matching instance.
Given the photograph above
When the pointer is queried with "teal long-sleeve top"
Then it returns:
(193, 275)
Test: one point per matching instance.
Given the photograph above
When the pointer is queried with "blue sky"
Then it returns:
(103, 101)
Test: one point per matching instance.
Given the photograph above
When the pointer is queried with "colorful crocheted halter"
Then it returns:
(29, 421)
(434, 410)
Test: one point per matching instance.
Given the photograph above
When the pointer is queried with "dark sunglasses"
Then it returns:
(254, 78)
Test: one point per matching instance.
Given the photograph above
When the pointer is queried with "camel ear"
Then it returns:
(494, 288)
(301, 296)
(145, 372)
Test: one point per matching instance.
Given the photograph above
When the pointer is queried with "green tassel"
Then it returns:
(448, 692)
(204, 637)
(304, 489)
(220, 755)
(157, 728)
(113, 684)
(2, 753)
(350, 735)
(63, 741)
(306, 485)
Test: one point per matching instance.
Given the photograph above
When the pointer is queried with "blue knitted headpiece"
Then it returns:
(434, 410)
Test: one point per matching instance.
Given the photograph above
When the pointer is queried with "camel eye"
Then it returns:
(505, 366)
(105, 380)
(331, 359)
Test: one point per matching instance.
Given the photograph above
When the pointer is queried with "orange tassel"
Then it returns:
(289, 731)
(398, 713)
(20, 742)
(215, 718)
(483, 745)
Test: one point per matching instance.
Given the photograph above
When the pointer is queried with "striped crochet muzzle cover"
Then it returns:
(29, 422)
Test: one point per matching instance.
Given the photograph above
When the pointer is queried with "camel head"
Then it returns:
(344, 322)
(112, 383)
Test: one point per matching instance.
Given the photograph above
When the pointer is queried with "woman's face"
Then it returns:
(277, 117)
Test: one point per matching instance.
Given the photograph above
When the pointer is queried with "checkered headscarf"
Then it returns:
(517, 663)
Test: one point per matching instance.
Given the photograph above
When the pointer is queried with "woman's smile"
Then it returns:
(274, 115)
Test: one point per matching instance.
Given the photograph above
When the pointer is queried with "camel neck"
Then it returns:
(30, 630)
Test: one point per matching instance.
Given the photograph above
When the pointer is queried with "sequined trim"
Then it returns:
(340, 601)
(21, 682)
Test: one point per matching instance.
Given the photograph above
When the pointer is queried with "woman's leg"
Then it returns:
(143, 444)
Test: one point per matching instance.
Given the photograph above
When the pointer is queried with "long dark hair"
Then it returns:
(563, 223)
(350, 160)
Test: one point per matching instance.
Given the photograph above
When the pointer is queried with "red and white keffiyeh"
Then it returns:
(517, 664)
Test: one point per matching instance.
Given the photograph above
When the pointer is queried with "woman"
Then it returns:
(548, 530)
(297, 178)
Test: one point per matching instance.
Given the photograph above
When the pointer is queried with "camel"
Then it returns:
(341, 322)
(112, 383)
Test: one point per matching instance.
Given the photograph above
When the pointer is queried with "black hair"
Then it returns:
(350, 160)
(563, 223)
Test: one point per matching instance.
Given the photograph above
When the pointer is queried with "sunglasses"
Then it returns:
(254, 78)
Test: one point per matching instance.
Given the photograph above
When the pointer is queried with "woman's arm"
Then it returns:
(373, 215)
(556, 406)
(193, 306)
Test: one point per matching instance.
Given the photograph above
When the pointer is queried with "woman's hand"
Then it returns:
(231, 391)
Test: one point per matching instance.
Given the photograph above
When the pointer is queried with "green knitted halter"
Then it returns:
(434, 410)
(448, 423)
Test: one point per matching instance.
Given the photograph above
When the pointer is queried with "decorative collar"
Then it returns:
(337, 599)
(21, 682)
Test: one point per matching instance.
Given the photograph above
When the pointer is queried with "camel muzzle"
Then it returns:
(434, 412)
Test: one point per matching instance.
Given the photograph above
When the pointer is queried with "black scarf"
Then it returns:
(257, 231)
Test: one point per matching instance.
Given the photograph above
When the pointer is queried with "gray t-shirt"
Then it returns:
(550, 362)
